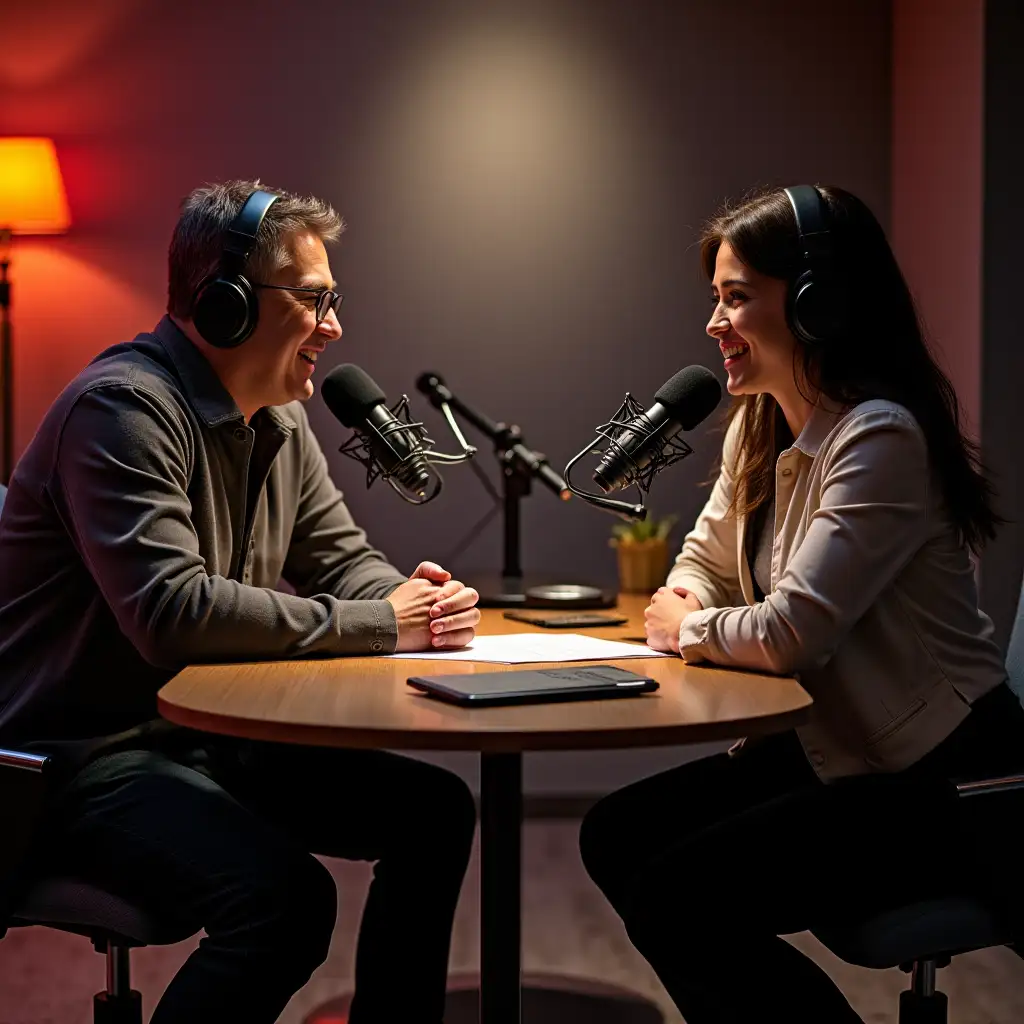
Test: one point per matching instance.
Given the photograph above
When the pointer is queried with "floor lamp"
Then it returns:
(32, 202)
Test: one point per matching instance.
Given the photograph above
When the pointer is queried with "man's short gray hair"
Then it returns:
(206, 214)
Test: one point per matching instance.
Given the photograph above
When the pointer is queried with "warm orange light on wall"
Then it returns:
(32, 202)
(32, 198)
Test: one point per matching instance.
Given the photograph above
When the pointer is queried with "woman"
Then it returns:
(836, 544)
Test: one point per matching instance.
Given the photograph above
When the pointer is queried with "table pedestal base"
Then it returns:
(546, 999)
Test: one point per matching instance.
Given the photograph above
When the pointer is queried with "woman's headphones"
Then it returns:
(816, 303)
(224, 307)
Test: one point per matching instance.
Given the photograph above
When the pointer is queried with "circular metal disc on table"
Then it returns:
(558, 593)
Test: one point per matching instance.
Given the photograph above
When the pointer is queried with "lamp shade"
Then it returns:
(32, 198)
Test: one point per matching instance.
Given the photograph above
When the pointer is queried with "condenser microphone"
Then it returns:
(386, 441)
(642, 443)
(682, 402)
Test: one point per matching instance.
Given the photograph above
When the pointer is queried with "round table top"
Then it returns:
(365, 702)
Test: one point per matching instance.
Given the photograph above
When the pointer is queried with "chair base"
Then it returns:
(546, 999)
(918, 1009)
(122, 1009)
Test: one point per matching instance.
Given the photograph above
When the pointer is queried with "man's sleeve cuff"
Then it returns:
(385, 634)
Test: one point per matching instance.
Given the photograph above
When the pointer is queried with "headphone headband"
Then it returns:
(241, 235)
(811, 222)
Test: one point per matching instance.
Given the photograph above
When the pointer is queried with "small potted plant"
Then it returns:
(643, 553)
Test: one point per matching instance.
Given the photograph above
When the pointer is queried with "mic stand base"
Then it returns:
(535, 592)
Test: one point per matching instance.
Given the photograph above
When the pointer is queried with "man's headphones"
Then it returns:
(816, 303)
(224, 307)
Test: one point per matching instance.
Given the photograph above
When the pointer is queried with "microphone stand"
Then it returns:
(516, 481)
(519, 466)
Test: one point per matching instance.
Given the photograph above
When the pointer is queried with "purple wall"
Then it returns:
(523, 183)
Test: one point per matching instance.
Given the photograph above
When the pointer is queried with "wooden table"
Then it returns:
(364, 702)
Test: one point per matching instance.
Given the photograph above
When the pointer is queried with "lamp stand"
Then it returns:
(6, 361)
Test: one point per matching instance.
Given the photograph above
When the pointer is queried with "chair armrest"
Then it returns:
(979, 787)
(19, 759)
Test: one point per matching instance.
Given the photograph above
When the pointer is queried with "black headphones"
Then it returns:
(224, 307)
(815, 304)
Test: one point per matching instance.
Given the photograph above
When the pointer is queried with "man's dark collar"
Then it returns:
(206, 394)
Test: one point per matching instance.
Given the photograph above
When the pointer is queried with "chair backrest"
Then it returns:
(1015, 651)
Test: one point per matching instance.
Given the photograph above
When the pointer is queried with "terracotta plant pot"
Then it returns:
(643, 565)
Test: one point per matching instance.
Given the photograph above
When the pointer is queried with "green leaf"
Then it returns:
(650, 528)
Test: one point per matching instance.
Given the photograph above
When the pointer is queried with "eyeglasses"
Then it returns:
(326, 298)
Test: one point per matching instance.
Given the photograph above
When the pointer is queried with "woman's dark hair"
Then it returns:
(880, 352)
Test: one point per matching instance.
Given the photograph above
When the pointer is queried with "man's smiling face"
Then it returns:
(277, 362)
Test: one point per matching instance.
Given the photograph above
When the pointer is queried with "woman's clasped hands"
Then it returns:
(664, 616)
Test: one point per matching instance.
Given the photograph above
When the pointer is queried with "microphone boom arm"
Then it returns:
(507, 438)
(631, 513)
(520, 465)
(468, 451)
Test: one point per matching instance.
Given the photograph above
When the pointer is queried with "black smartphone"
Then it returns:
(567, 620)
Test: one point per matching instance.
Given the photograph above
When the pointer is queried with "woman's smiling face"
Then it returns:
(749, 324)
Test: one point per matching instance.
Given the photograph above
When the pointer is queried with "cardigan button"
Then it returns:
(377, 645)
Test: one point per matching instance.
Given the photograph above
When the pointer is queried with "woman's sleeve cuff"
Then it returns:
(693, 635)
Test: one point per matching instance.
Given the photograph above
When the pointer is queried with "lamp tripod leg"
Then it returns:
(6, 369)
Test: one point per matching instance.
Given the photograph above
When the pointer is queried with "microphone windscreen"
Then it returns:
(350, 393)
(692, 394)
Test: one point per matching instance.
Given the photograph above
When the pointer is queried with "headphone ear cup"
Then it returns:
(225, 311)
(816, 311)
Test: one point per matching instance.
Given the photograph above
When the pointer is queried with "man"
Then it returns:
(168, 489)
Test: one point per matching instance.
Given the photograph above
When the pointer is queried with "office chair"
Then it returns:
(920, 938)
(65, 903)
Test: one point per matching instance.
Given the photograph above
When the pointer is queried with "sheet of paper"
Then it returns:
(520, 648)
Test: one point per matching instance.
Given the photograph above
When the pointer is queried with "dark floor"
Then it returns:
(48, 978)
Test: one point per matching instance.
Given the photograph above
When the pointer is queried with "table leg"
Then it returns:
(548, 999)
(501, 841)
